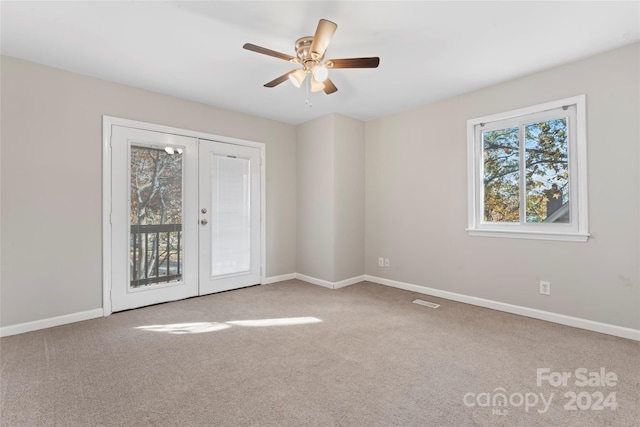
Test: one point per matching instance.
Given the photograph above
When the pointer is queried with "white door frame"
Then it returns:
(107, 123)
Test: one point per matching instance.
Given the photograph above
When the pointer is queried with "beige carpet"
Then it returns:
(295, 354)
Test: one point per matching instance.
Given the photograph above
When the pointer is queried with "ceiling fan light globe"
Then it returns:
(297, 77)
(293, 81)
(316, 86)
(320, 73)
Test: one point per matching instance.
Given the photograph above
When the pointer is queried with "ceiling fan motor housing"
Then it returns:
(303, 53)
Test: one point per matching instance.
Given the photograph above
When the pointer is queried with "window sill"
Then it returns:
(535, 235)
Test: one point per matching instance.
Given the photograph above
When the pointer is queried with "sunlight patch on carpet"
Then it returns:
(287, 321)
(186, 328)
(203, 327)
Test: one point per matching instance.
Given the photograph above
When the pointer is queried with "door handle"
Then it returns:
(204, 222)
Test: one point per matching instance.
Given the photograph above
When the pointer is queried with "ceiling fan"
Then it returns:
(310, 54)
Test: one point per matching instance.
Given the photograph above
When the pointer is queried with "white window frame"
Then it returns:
(577, 230)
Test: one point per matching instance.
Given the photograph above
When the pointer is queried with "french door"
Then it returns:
(229, 220)
(185, 217)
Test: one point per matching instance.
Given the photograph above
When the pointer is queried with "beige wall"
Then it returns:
(315, 186)
(330, 213)
(52, 178)
(416, 198)
(348, 198)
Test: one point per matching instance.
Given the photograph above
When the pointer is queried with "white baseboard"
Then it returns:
(275, 279)
(347, 282)
(314, 281)
(21, 328)
(576, 322)
(330, 285)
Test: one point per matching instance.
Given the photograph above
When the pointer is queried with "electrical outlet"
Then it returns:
(387, 263)
(545, 288)
(380, 262)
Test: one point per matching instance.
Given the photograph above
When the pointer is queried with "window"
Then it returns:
(527, 172)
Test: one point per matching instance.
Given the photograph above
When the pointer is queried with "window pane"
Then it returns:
(156, 216)
(547, 171)
(501, 175)
(230, 215)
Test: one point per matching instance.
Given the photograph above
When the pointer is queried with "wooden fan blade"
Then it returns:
(277, 81)
(372, 62)
(321, 39)
(265, 51)
(329, 87)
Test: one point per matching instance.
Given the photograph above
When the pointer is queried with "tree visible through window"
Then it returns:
(155, 216)
(501, 175)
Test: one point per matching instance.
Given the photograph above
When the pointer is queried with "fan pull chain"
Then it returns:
(308, 86)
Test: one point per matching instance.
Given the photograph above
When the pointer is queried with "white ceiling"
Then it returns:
(429, 50)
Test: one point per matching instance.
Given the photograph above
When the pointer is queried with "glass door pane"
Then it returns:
(156, 244)
(230, 215)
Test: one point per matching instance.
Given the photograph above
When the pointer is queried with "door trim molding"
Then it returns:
(107, 123)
